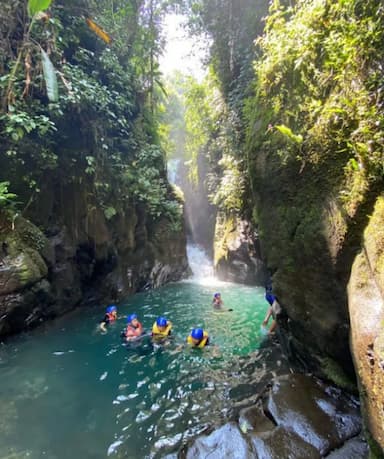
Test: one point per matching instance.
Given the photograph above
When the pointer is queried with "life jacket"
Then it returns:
(202, 342)
(158, 332)
(136, 331)
(111, 316)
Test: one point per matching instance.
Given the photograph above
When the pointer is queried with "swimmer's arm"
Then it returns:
(268, 315)
(102, 326)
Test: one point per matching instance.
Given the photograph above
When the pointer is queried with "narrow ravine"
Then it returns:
(247, 133)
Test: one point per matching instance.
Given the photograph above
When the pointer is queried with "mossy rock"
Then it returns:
(333, 371)
(22, 263)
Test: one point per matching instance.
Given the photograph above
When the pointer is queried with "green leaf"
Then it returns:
(35, 6)
(50, 77)
(109, 212)
(288, 132)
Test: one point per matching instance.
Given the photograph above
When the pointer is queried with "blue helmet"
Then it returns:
(216, 295)
(197, 333)
(270, 298)
(111, 308)
(161, 322)
(131, 317)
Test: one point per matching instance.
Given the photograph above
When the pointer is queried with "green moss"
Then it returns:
(32, 267)
(375, 451)
(30, 235)
(374, 240)
(335, 373)
(225, 233)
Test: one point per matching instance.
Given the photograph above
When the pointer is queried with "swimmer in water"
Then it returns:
(161, 328)
(198, 338)
(134, 328)
(218, 303)
(110, 316)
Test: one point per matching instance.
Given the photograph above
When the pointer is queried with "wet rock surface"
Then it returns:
(296, 417)
(356, 448)
(237, 252)
(318, 414)
(44, 275)
(366, 308)
(227, 441)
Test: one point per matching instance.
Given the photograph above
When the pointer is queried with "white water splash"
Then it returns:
(112, 448)
(103, 376)
(201, 265)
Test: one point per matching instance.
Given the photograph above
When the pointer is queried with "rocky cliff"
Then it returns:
(85, 258)
(366, 308)
(325, 259)
(237, 254)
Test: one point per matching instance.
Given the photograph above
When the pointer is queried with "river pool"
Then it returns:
(69, 392)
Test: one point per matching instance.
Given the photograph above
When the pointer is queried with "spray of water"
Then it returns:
(201, 266)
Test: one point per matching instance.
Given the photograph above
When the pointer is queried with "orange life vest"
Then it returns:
(136, 331)
(111, 316)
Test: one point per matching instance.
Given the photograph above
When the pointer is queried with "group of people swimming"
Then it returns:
(162, 327)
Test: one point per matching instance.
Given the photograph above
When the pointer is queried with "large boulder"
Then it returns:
(366, 307)
(237, 256)
(227, 441)
(297, 417)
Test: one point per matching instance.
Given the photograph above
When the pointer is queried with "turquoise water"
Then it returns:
(68, 391)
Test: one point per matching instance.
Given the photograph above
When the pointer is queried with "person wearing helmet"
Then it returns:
(134, 328)
(110, 316)
(273, 310)
(161, 328)
(217, 302)
(198, 338)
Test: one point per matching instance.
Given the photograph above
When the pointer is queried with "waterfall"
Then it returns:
(172, 167)
(201, 265)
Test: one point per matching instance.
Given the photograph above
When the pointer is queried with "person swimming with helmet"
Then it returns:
(134, 328)
(110, 316)
(161, 328)
(198, 338)
(217, 301)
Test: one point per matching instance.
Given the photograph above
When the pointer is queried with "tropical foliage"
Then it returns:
(80, 91)
(318, 91)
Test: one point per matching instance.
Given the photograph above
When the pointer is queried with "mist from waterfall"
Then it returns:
(199, 261)
(201, 266)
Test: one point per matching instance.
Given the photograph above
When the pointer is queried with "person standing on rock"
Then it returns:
(273, 310)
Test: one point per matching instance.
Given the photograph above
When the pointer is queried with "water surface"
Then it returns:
(68, 391)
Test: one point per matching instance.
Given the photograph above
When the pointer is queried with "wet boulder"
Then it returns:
(225, 442)
(282, 443)
(320, 415)
(296, 417)
(356, 448)
(237, 252)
